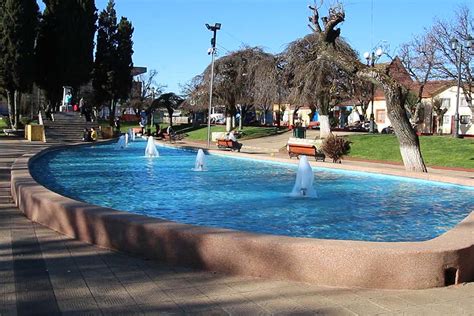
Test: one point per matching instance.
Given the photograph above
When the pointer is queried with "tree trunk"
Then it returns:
(17, 106)
(324, 126)
(170, 115)
(195, 122)
(364, 108)
(112, 107)
(228, 123)
(11, 108)
(295, 115)
(409, 142)
(439, 118)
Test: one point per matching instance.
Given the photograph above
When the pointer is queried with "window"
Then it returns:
(446, 119)
(445, 103)
(380, 116)
(465, 119)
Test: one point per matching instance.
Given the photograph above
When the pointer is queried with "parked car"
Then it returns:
(313, 125)
(387, 130)
(358, 127)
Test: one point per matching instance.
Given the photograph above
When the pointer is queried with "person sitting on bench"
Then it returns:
(235, 143)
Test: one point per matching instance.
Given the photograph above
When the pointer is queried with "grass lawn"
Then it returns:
(443, 151)
(200, 132)
(3, 124)
(248, 132)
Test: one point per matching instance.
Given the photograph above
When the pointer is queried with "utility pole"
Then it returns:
(212, 52)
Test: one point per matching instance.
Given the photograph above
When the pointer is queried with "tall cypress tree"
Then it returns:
(113, 60)
(65, 45)
(18, 28)
(124, 58)
(104, 56)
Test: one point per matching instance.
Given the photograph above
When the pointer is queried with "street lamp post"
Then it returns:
(279, 68)
(371, 58)
(458, 48)
(152, 112)
(212, 52)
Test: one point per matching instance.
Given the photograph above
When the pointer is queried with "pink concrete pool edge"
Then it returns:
(442, 261)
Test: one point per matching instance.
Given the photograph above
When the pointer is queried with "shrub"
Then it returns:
(336, 147)
(25, 120)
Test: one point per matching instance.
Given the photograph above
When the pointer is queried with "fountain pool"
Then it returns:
(252, 195)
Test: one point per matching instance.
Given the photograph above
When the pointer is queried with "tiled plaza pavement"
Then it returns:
(45, 273)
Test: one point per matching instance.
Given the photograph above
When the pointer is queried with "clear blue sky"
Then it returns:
(170, 35)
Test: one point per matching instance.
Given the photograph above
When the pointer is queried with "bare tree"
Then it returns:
(395, 92)
(418, 58)
(196, 97)
(314, 81)
(150, 89)
(362, 93)
(460, 28)
(266, 84)
(236, 80)
(439, 110)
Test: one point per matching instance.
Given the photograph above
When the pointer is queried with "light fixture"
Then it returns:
(469, 42)
(379, 52)
(454, 43)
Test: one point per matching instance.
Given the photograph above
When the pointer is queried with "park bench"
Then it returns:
(307, 147)
(137, 130)
(171, 138)
(228, 144)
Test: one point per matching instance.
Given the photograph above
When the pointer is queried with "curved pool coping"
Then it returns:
(441, 261)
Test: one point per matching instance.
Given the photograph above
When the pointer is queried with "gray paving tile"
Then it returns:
(363, 307)
(392, 303)
(115, 300)
(8, 310)
(70, 293)
(78, 304)
(162, 308)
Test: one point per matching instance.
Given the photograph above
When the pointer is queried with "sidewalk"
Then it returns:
(45, 273)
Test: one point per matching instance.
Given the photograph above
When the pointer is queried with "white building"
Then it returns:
(446, 91)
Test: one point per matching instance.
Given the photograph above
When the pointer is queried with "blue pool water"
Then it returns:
(253, 195)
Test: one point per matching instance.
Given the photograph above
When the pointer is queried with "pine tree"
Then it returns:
(65, 46)
(18, 28)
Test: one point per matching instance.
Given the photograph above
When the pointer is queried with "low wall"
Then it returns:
(412, 265)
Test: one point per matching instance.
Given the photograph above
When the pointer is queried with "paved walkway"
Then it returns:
(45, 273)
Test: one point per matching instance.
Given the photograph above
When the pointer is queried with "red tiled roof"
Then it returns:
(433, 88)
(399, 73)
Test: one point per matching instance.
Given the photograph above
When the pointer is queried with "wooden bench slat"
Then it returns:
(228, 144)
(295, 150)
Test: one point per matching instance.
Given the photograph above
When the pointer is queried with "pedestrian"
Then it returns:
(93, 134)
(81, 106)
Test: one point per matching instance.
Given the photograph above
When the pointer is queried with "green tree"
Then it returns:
(18, 28)
(124, 59)
(112, 78)
(170, 101)
(65, 46)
